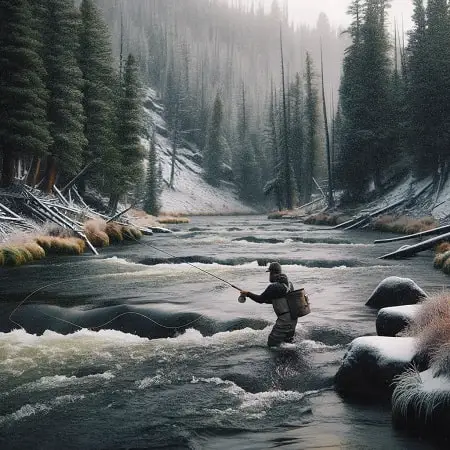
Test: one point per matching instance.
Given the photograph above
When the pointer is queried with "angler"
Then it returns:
(288, 305)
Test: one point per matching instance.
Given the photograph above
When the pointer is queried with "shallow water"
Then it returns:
(138, 349)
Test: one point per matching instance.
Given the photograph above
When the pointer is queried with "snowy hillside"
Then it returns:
(191, 194)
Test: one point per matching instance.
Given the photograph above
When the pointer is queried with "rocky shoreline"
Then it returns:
(407, 363)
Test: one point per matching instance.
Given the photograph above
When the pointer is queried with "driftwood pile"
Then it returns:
(67, 211)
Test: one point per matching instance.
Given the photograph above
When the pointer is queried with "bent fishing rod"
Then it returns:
(195, 267)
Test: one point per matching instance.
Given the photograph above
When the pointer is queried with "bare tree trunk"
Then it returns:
(7, 169)
(174, 157)
(50, 175)
(327, 134)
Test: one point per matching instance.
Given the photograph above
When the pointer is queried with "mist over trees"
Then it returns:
(194, 51)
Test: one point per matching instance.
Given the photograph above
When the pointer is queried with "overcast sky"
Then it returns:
(307, 11)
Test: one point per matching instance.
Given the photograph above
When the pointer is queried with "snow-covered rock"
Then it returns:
(392, 320)
(421, 403)
(396, 291)
(190, 194)
(371, 364)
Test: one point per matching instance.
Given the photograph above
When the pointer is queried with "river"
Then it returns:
(137, 349)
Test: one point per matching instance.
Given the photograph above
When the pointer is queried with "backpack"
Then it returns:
(298, 302)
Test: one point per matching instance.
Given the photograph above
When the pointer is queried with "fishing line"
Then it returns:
(125, 313)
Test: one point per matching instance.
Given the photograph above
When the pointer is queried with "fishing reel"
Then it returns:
(242, 298)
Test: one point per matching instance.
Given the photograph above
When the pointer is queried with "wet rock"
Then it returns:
(371, 364)
(396, 291)
(394, 319)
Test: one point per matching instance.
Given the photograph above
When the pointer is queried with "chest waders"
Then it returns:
(284, 328)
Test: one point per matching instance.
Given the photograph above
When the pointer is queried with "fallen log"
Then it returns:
(415, 235)
(414, 249)
(57, 217)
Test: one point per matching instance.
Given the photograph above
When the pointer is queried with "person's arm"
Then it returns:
(273, 291)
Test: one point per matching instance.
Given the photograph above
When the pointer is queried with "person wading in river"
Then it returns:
(275, 295)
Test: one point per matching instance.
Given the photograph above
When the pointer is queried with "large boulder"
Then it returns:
(421, 404)
(396, 291)
(394, 319)
(371, 364)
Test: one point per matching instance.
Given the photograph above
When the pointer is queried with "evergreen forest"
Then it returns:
(280, 110)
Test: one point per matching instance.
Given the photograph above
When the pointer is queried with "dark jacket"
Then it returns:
(275, 294)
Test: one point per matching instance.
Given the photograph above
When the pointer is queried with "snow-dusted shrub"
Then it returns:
(440, 362)
(431, 325)
(421, 403)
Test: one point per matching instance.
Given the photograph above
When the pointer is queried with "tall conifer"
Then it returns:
(213, 155)
(64, 83)
(95, 59)
(23, 123)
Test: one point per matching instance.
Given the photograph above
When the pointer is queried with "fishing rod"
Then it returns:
(195, 267)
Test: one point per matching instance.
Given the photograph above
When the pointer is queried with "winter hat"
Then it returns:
(274, 267)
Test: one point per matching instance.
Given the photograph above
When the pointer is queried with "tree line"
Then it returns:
(394, 107)
(65, 110)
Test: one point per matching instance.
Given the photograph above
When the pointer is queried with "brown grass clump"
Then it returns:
(54, 245)
(172, 220)
(131, 233)
(446, 266)
(98, 238)
(114, 232)
(13, 256)
(278, 214)
(440, 259)
(431, 325)
(442, 247)
(403, 224)
(2, 257)
(332, 219)
(35, 249)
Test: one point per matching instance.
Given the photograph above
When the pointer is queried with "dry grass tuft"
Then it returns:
(35, 249)
(440, 259)
(131, 233)
(172, 220)
(114, 232)
(2, 258)
(404, 224)
(442, 247)
(446, 266)
(327, 219)
(13, 256)
(54, 245)
(431, 325)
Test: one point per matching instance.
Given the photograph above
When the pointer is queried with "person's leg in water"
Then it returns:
(282, 331)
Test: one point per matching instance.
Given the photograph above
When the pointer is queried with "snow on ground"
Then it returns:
(191, 194)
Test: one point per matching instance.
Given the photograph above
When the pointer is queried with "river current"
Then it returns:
(137, 349)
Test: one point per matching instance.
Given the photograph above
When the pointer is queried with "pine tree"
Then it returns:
(213, 154)
(23, 123)
(297, 133)
(151, 201)
(130, 126)
(95, 61)
(312, 118)
(64, 83)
